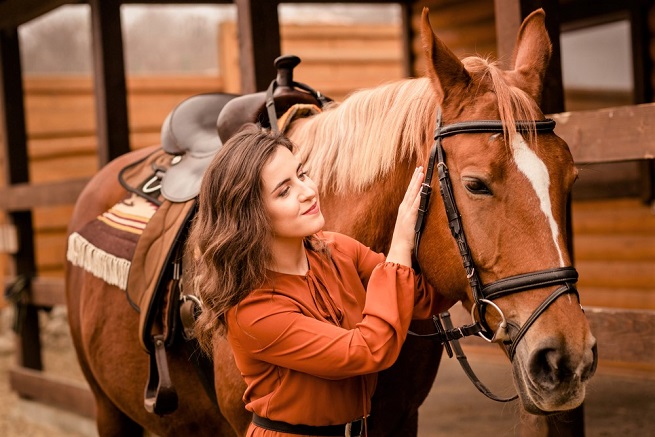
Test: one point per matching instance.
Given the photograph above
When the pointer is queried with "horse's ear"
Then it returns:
(532, 54)
(443, 67)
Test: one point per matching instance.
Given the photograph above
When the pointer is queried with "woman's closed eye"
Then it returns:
(284, 192)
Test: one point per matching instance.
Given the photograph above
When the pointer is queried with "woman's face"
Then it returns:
(290, 197)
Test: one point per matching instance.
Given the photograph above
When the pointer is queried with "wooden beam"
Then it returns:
(624, 335)
(23, 197)
(259, 43)
(110, 83)
(508, 22)
(68, 395)
(44, 292)
(48, 292)
(509, 16)
(16, 12)
(408, 39)
(12, 109)
(609, 135)
(16, 171)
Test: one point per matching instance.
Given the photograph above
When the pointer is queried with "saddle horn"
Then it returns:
(265, 107)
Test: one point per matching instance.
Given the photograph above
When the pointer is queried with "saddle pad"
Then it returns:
(105, 246)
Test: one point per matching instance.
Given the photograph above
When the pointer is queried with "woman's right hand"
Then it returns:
(402, 242)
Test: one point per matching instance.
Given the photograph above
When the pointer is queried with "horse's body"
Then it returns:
(512, 196)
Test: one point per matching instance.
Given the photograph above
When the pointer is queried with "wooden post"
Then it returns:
(406, 10)
(16, 171)
(109, 76)
(259, 43)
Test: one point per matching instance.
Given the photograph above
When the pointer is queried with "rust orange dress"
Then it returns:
(309, 346)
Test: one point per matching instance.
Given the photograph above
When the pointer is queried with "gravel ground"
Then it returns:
(617, 404)
(20, 418)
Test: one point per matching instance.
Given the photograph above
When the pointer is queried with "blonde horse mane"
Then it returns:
(352, 144)
(514, 104)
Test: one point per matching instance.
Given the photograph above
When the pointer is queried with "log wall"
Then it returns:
(613, 239)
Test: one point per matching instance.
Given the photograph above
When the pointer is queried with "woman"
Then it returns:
(311, 316)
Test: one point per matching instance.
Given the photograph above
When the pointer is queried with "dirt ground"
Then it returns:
(617, 404)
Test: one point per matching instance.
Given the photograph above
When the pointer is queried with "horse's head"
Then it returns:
(511, 187)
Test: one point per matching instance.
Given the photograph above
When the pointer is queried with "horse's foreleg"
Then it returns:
(111, 421)
(230, 387)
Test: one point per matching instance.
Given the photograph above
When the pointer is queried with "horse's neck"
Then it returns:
(369, 216)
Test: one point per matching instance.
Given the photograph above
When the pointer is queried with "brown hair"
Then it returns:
(231, 232)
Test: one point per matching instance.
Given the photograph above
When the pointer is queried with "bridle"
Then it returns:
(484, 295)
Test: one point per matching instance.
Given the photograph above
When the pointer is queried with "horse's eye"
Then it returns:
(476, 186)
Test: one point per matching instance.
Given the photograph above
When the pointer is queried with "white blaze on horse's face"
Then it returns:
(537, 173)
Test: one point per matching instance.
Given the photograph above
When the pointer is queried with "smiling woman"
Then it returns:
(311, 316)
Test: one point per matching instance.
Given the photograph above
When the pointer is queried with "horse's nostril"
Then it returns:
(548, 368)
(590, 368)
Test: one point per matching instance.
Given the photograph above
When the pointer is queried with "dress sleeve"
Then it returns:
(272, 328)
(426, 303)
(363, 257)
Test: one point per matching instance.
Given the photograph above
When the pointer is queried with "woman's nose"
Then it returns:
(307, 192)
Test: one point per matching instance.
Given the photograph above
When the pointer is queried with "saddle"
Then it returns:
(170, 178)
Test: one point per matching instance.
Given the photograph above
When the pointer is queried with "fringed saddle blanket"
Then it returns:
(105, 246)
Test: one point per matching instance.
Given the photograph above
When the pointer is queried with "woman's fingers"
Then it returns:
(402, 242)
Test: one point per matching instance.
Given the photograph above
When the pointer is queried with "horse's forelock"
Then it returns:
(351, 145)
(514, 104)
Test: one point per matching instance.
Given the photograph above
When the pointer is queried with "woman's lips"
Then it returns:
(312, 210)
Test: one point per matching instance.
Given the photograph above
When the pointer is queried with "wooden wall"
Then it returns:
(61, 115)
(614, 240)
(336, 60)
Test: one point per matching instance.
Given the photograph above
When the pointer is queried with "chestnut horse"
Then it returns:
(511, 190)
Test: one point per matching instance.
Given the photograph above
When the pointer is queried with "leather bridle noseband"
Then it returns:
(484, 295)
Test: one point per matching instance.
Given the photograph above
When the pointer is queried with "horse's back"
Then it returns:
(104, 328)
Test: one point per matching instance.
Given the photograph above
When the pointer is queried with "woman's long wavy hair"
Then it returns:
(231, 232)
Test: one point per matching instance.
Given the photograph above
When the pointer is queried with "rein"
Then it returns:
(483, 295)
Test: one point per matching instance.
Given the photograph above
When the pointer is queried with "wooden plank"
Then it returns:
(630, 247)
(624, 335)
(48, 292)
(22, 197)
(58, 392)
(626, 274)
(610, 134)
(623, 216)
(16, 12)
(618, 297)
(335, 34)
(51, 85)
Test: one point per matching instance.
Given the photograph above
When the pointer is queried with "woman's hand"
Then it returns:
(402, 242)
